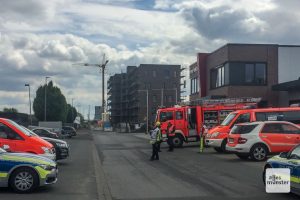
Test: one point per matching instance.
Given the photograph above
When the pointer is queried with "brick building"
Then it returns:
(245, 70)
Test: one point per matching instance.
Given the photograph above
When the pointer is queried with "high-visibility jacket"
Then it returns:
(155, 136)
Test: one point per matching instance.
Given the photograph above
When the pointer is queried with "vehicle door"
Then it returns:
(45, 133)
(292, 134)
(179, 120)
(294, 164)
(272, 134)
(192, 121)
(9, 138)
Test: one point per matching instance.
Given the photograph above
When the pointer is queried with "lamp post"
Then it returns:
(147, 103)
(30, 117)
(72, 111)
(45, 111)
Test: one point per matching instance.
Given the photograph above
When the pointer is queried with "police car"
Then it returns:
(289, 160)
(24, 172)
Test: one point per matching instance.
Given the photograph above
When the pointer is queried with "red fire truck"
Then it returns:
(191, 120)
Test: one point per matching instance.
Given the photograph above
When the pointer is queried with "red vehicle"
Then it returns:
(16, 138)
(217, 136)
(259, 139)
(190, 121)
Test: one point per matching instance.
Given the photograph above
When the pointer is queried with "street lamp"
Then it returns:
(72, 111)
(147, 116)
(45, 111)
(30, 117)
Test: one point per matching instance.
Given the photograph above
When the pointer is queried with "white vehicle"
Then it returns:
(259, 139)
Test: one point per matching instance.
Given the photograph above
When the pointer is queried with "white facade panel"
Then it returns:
(288, 63)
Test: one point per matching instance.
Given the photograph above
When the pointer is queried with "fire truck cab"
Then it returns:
(192, 120)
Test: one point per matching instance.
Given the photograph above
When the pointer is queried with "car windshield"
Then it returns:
(21, 128)
(228, 119)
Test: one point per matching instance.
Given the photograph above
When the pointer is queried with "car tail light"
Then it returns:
(242, 140)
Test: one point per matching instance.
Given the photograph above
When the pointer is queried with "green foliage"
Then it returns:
(10, 110)
(72, 113)
(57, 108)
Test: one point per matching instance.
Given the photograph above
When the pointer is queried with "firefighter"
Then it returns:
(155, 141)
(170, 135)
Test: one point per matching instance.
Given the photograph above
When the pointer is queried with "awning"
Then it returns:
(287, 86)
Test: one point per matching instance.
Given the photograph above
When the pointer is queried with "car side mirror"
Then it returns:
(6, 148)
(283, 155)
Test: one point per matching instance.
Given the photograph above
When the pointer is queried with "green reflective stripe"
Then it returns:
(43, 173)
(295, 179)
(24, 159)
(3, 175)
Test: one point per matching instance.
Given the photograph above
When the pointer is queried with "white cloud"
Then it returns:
(41, 38)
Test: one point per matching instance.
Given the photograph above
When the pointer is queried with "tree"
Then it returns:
(72, 113)
(10, 110)
(56, 103)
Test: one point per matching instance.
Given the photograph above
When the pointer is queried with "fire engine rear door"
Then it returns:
(192, 121)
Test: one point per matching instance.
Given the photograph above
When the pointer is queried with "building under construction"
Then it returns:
(127, 92)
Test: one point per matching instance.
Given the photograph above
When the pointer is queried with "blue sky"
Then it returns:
(40, 38)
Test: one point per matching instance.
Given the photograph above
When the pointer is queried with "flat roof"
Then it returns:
(287, 86)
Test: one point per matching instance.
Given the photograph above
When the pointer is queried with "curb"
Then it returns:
(102, 186)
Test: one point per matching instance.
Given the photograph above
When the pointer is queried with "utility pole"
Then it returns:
(30, 117)
(45, 111)
(72, 111)
(89, 113)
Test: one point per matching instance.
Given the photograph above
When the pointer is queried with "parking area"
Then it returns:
(76, 179)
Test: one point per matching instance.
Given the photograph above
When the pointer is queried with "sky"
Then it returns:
(44, 38)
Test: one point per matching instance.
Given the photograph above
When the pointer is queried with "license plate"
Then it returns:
(231, 140)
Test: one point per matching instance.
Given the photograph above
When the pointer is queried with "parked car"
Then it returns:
(62, 148)
(69, 130)
(25, 172)
(289, 160)
(217, 136)
(259, 139)
(18, 139)
(45, 133)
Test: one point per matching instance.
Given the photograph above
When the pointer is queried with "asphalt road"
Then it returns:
(182, 174)
(77, 177)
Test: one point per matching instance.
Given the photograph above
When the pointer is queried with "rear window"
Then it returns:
(243, 129)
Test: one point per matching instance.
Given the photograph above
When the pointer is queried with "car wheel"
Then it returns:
(243, 157)
(177, 141)
(24, 180)
(223, 145)
(217, 149)
(259, 152)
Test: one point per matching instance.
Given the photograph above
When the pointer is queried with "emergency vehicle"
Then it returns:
(217, 136)
(192, 120)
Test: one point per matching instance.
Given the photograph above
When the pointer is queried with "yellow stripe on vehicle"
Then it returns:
(3, 175)
(43, 173)
(24, 159)
(295, 179)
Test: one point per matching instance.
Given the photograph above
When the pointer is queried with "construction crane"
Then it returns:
(102, 67)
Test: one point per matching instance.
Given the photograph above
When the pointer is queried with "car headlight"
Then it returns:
(62, 145)
(46, 150)
(216, 134)
(47, 167)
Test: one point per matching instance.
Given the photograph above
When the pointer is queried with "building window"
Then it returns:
(238, 73)
(154, 73)
(175, 74)
(194, 85)
(166, 74)
(170, 98)
(154, 98)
